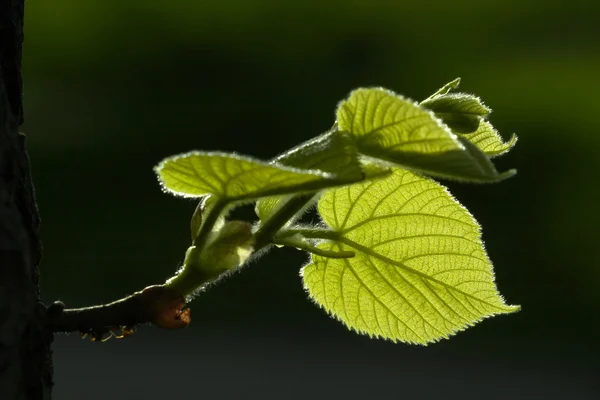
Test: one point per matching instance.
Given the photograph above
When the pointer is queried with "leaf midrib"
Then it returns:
(371, 253)
(380, 217)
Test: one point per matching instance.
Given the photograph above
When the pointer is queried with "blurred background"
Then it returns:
(112, 87)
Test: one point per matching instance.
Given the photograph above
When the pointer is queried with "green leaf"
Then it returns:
(391, 128)
(462, 112)
(465, 114)
(420, 272)
(447, 88)
(488, 140)
(235, 178)
(333, 152)
(267, 207)
(483, 159)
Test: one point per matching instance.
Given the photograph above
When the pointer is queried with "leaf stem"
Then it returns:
(188, 279)
(312, 233)
(208, 224)
(313, 249)
(155, 304)
(267, 230)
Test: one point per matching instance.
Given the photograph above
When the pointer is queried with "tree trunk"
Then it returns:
(25, 358)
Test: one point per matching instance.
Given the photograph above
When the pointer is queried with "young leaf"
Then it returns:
(394, 129)
(488, 140)
(267, 207)
(334, 152)
(447, 88)
(420, 272)
(483, 159)
(232, 177)
(460, 111)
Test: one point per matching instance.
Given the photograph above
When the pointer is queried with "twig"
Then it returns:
(155, 304)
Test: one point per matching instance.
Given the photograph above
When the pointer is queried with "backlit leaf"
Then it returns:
(333, 152)
(465, 114)
(389, 127)
(462, 112)
(420, 271)
(447, 88)
(488, 140)
(233, 177)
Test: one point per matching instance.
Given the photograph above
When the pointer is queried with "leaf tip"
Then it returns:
(506, 175)
(454, 84)
(511, 142)
(513, 308)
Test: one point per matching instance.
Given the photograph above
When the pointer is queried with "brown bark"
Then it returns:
(25, 358)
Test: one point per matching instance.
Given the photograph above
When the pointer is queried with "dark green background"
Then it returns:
(112, 87)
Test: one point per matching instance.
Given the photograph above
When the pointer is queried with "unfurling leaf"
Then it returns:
(333, 152)
(420, 271)
(391, 128)
(465, 114)
(488, 140)
(267, 207)
(236, 178)
(460, 111)
(447, 88)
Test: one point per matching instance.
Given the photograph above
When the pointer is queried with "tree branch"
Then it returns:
(154, 304)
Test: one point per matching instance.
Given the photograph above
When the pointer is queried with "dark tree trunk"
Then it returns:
(25, 358)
